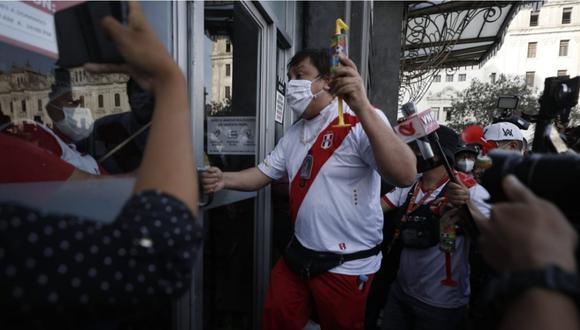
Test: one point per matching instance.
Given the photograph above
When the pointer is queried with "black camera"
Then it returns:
(508, 103)
(550, 176)
(559, 97)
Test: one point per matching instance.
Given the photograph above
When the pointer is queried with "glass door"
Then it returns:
(230, 98)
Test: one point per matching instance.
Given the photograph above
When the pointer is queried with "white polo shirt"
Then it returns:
(340, 212)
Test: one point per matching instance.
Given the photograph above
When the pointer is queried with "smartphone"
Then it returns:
(79, 35)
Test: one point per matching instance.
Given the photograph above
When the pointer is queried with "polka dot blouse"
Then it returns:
(143, 258)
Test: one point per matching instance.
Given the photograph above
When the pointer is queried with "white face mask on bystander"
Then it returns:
(77, 123)
(465, 165)
(299, 95)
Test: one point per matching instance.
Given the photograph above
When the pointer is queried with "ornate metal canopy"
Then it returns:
(446, 35)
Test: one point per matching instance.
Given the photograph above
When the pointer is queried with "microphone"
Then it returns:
(416, 127)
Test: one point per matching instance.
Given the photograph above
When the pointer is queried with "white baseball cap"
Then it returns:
(502, 131)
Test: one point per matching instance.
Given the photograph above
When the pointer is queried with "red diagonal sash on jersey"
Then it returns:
(321, 152)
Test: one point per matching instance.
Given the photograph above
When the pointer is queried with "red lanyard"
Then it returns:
(414, 205)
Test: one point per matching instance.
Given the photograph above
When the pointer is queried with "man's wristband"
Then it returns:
(512, 284)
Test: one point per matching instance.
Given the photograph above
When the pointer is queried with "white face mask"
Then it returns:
(77, 123)
(299, 95)
(465, 165)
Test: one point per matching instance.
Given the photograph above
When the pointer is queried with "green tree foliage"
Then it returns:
(221, 108)
(477, 104)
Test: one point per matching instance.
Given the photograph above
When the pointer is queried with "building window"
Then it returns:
(462, 77)
(228, 46)
(11, 107)
(492, 77)
(530, 78)
(100, 101)
(562, 73)
(228, 92)
(447, 111)
(435, 111)
(437, 78)
(23, 103)
(82, 100)
(39, 103)
(563, 48)
(117, 100)
(567, 15)
(534, 17)
(228, 70)
(532, 49)
(449, 78)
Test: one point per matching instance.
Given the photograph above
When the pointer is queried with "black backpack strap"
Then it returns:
(403, 208)
(442, 192)
(390, 238)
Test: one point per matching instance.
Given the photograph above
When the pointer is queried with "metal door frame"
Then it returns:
(188, 25)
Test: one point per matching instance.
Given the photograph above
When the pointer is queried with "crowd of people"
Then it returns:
(79, 274)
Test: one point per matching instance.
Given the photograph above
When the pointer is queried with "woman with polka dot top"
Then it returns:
(60, 270)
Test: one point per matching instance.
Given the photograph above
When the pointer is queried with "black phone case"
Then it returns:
(80, 37)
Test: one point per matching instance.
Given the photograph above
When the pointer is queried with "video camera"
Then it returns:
(508, 103)
(559, 97)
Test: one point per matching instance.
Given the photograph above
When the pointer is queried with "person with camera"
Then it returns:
(334, 185)
(532, 244)
(60, 271)
(431, 289)
(506, 136)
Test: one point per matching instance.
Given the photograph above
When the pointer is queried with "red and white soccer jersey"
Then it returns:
(33, 147)
(340, 212)
(421, 270)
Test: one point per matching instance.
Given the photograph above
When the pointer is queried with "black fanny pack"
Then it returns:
(308, 263)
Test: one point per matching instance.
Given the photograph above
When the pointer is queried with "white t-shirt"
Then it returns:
(340, 212)
(421, 270)
(70, 155)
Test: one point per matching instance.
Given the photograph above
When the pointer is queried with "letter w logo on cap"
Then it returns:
(507, 132)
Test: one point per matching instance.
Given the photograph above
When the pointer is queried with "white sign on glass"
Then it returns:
(231, 135)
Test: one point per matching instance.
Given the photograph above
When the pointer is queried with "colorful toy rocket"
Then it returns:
(339, 46)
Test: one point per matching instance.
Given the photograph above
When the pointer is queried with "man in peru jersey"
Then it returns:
(334, 188)
(432, 287)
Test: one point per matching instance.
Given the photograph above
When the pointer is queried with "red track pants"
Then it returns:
(337, 300)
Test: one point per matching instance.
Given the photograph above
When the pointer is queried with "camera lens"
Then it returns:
(552, 177)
